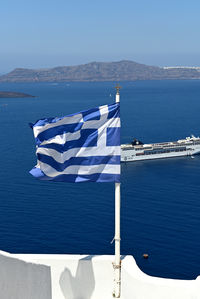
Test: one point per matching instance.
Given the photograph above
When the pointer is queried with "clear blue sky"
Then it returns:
(43, 33)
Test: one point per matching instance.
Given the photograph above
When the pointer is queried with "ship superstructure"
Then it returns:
(137, 151)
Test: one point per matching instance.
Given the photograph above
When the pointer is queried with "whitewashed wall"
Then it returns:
(84, 277)
(138, 285)
(21, 280)
(78, 276)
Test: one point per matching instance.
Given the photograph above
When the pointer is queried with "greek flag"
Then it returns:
(82, 147)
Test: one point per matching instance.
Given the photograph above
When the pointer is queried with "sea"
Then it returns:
(160, 199)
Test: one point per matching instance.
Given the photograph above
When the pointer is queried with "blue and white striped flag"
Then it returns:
(82, 147)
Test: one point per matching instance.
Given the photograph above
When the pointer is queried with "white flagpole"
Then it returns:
(117, 263)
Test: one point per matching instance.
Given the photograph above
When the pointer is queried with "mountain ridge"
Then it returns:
(124, 70)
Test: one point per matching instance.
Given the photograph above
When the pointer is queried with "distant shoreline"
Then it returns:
(11, 94)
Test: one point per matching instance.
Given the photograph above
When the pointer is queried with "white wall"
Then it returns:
(138, 285)
(78, 276)
(84, 277)
(21, 280)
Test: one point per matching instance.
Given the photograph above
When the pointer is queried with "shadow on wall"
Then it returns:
(82, 285)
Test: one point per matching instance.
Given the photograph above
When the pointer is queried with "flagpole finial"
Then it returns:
(117, 88)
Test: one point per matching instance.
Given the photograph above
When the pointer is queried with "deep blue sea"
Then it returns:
(160, 200)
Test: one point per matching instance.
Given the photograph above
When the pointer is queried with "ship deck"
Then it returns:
(172, 144)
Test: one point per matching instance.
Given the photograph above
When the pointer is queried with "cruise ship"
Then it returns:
(136, 150)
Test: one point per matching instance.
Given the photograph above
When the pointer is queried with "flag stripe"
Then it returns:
(95, 160)
(81, 152)
(59, 130)
(97, 177)
(62, 139)
(83, 141)
(46, 123)
(80, 169)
